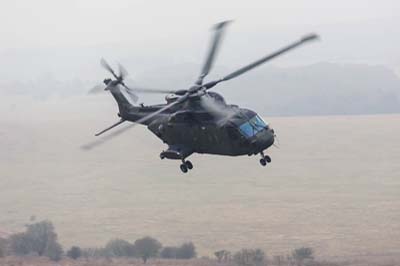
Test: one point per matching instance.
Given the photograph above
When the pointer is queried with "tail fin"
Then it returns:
(122, 99)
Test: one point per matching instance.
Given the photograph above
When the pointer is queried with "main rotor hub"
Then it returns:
(194, 88)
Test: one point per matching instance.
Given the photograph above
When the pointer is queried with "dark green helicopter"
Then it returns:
(197, 120)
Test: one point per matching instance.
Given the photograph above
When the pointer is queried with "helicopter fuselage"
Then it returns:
(235, 132)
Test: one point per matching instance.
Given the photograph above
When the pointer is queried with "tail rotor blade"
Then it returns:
(104, 64)
(131, 93)
(123, 73)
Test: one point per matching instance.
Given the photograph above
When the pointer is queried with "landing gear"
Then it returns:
(264, 159)
(186, 165)
(184, 168)
(189, 165)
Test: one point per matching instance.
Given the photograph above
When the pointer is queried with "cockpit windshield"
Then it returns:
(253, 126)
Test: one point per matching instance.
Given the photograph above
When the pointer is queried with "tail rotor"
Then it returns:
(119, 79)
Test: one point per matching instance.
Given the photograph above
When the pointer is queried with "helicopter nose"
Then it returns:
(266, 139)
(270, 137)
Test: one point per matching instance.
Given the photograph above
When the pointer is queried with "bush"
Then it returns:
(278, 260)
(222, 255)
(249, 257)
(169, 252)
(147, 247)
(93, 252)
(74, 252)
(302, 254)
(120, 248)
(186, 251)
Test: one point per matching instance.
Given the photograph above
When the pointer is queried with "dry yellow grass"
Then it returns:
(333, 185)
(42, 261)
(38, 261)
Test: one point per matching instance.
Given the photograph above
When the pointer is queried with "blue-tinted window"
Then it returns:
(247, 129)
(258, 123)
(255, 125)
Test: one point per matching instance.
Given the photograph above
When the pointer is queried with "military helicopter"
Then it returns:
(197, 120)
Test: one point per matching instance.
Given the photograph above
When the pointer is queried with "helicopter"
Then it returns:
(197, 120)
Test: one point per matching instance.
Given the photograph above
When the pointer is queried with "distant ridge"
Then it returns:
(317, 89)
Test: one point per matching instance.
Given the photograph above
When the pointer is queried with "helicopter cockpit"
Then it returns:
(251, 127)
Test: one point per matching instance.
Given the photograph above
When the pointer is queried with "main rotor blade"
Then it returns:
(110, 127)
(219, 31)
(148, 90)
(100, 141)
(104, 64)
(106, 138)
(244, 69)
(159, 111)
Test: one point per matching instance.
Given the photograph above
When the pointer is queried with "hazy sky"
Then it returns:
(69, 37)
(25, 23)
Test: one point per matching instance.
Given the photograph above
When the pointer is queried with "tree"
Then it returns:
(20, 244)
(41, 236)
(147, 247)
(249, 257)
(302, 254)
(54, 251)
(120, 248)
(74, 252)
(186, 251)
(38, 238)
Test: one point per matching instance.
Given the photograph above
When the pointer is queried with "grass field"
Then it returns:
(334, 185)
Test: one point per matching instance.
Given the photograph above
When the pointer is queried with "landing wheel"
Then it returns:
(189, 165)
(263, 162)
(267, 158)
(184, 168)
